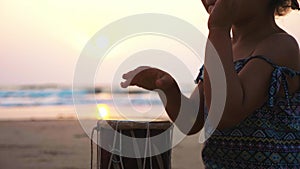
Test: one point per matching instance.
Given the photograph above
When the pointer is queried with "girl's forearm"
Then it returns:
(183, 111)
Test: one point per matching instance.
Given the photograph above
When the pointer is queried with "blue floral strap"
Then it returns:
(200, 75)
(239, 64)
(243, 62)
(278, 78)
(274, 86)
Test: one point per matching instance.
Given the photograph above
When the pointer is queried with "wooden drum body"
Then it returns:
(111, 143)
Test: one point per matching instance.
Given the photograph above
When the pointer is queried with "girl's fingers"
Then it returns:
(128, 79)
(129, 82)
(125, 84)
(133, 73)
(125, 76)
(210, 9)
(128, 75)
(205, 5)
(143, 76)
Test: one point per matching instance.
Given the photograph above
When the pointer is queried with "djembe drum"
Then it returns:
(110, 132)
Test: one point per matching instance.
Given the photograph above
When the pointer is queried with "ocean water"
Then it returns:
(64, 96)
(57, 102)
(40, 102)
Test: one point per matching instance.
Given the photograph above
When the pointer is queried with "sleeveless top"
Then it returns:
(268, 138)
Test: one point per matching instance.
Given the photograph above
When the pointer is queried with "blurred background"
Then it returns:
(40, 43)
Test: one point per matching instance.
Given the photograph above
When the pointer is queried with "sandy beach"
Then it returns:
(62, 144)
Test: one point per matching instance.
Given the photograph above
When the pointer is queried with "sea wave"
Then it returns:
(64, 96)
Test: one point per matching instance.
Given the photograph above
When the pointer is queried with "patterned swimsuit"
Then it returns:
(268, 138)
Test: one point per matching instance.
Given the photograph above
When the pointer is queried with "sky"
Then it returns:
(41, 40)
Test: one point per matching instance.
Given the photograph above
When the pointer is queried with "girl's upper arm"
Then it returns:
(255, 79)
(256, 75)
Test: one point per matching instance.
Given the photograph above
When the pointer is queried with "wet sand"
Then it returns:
(62, 144)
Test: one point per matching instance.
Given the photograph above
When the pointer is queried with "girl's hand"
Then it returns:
(148, 78)
(222, 13)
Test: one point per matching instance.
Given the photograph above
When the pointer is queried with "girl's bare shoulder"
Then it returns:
(282, 49)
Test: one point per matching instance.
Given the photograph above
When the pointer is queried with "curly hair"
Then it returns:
(282, 7)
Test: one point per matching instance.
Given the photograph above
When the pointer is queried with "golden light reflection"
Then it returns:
(103, 112)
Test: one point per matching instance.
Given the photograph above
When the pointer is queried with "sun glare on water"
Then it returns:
(103, 112)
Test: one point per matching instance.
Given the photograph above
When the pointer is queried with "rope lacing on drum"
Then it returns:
(92, 147)
(114, 151)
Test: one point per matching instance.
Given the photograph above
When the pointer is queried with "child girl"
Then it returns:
(260, 125)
